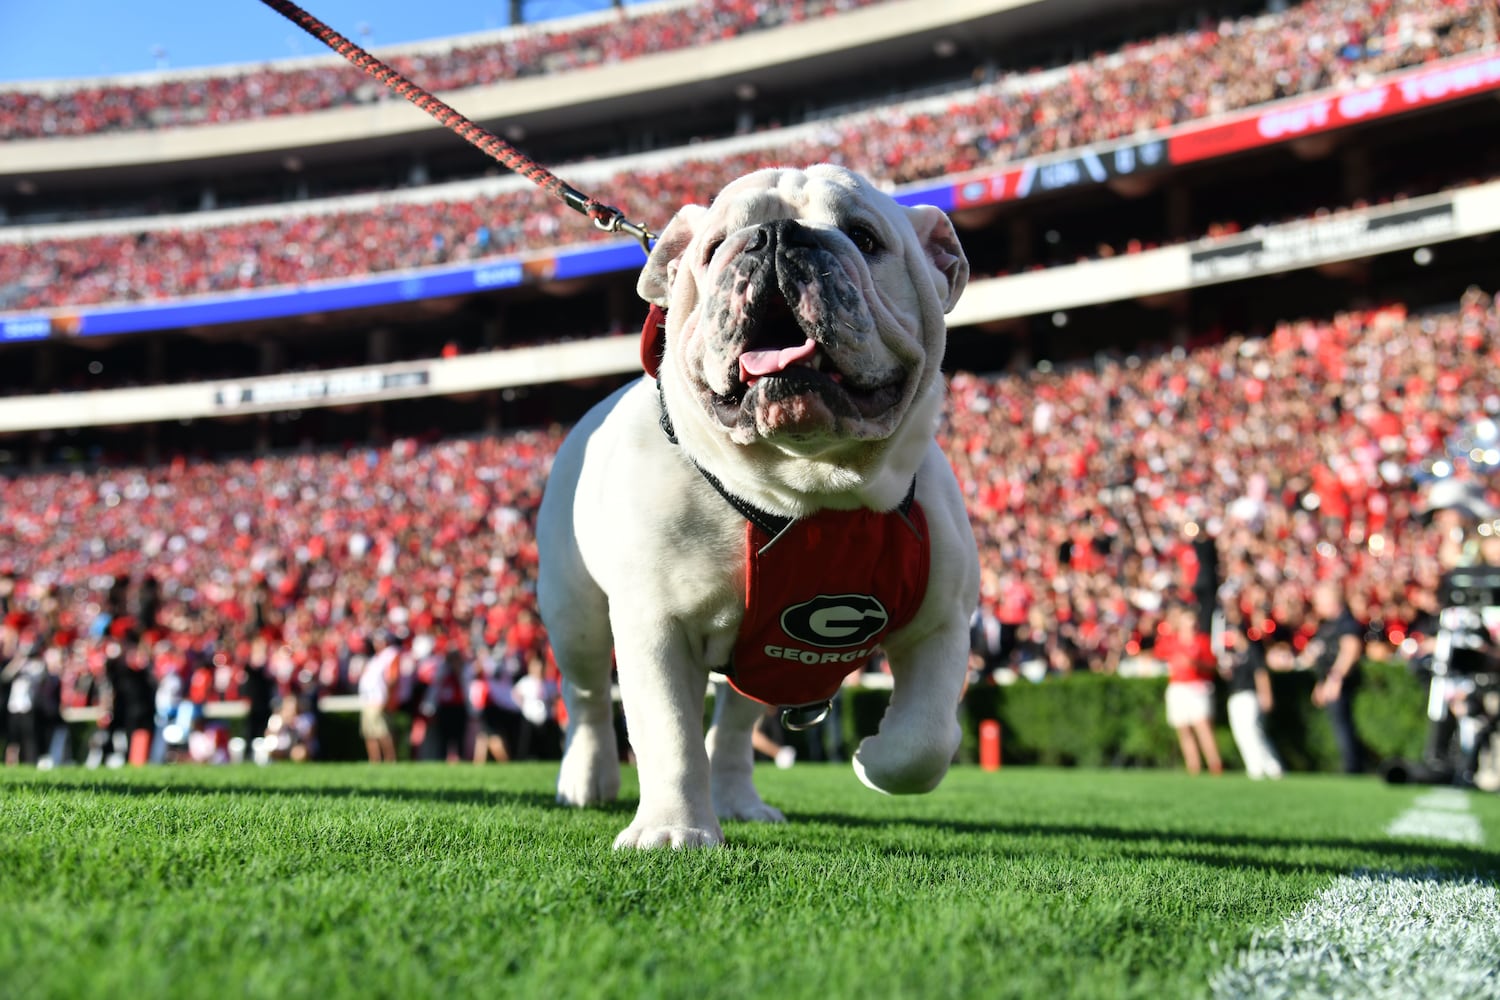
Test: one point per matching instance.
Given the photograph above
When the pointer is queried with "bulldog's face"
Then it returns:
(804, 309)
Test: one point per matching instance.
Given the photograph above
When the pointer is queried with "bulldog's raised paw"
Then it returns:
(590, 772)
(896, 770)
(647, 837)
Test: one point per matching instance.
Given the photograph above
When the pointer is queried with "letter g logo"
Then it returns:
(835, 621)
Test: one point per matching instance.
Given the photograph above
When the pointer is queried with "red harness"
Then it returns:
(821, 595)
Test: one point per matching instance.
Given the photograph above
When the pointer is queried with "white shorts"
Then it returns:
(1189, 702)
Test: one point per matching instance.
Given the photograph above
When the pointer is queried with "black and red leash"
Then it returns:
(606, 217)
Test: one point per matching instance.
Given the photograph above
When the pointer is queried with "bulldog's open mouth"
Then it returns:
(781, 360)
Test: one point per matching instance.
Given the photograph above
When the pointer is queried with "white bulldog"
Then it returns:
(798, 390)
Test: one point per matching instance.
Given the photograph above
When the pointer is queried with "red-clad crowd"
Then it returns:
(1101, 491)
(1098, 494)
(274, 572)
(270, 91)
(1316, 44)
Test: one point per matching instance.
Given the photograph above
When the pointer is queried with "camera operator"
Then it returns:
(1334, 652)
(1460, 645)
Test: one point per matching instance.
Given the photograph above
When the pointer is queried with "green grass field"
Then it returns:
(425, 880)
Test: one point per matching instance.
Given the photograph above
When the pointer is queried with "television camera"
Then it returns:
(1463, 744)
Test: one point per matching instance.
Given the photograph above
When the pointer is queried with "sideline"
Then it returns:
(1380, 935)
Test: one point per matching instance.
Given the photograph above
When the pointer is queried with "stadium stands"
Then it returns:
(271, 91)
(1312, 46)
(1085, 486)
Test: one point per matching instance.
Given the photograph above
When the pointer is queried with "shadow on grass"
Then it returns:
(1239, 851)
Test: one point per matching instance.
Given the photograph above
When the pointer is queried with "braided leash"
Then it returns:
(605, 217)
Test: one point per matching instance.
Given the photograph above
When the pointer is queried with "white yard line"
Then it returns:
(1441, 814)
(1381, 935)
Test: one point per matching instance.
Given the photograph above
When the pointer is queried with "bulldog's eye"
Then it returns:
(864, 238)
(712, 248)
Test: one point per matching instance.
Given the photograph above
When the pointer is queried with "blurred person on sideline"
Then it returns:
(764, 738)
(135, 697)
(289, 735)
(1457, 511)
(258, 687)
(448, 709)
(988, 645)
(1333, 654)
(537, 695)
(374, 700)
(53, 738)
(168, 699)
(489, 690)
(25, 674)
(1243, 663)
(1189, 657)
(108, 742)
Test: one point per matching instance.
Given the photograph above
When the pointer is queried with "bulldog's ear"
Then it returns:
(655, 284)
(939, 242)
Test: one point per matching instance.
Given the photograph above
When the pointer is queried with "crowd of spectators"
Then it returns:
(1278, 462)
(269, 91)
(275, 578)
(1245, 472)
(1317, 44)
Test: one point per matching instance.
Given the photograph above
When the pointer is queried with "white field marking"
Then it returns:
(1451, 799)
(1382, 935)
(1441, 814)
(1378, 936)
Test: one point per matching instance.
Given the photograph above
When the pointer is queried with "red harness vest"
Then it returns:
(819, 600)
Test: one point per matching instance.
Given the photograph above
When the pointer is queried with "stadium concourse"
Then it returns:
(1086, 487)
(1316, 45)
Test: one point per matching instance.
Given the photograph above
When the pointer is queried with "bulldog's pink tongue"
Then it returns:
(754, 364)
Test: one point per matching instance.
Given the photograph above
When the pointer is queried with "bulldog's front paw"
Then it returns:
(646, 836)
(740, 800)
(886, 765)
(590, 772)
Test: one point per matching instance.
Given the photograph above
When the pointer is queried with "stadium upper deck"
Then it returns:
(1176, 79)
(1019, 136)
(706, 67)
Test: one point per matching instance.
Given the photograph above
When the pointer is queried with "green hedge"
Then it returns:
(1099, 720)
(1089, 720)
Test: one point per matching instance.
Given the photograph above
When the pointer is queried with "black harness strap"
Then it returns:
(772, 524)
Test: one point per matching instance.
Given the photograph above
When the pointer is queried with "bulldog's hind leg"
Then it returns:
(731, 759)
(577, 617)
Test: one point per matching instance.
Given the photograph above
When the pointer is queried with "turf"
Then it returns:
(425, 880)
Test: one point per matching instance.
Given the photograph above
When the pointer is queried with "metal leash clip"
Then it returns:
(607, 217)
(617, 223)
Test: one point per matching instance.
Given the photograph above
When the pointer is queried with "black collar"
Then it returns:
(772, 524)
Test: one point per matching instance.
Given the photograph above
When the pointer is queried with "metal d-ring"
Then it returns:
(800, 717)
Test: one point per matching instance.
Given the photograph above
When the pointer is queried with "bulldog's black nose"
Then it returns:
(781, 233)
